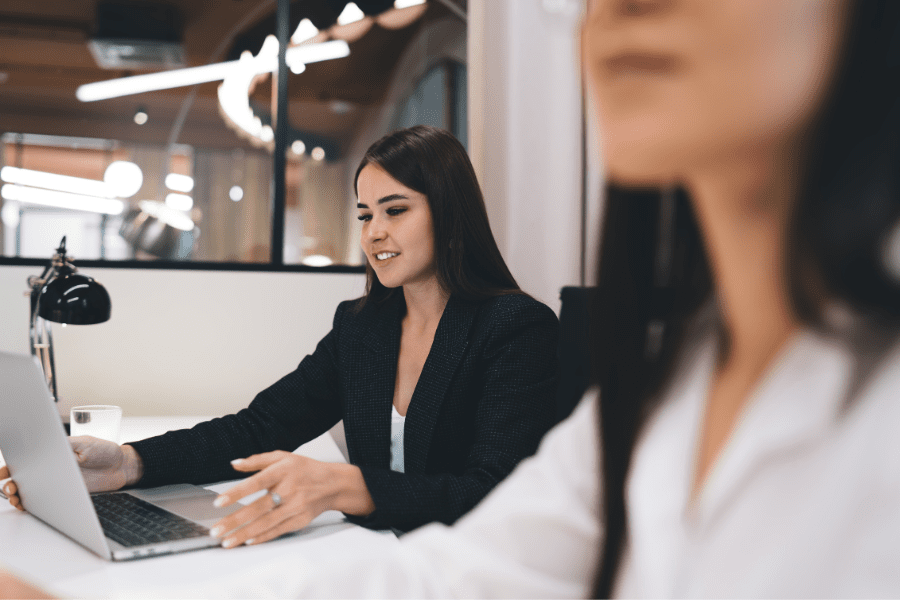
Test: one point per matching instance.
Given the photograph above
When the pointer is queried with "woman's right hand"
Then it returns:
(105, 466)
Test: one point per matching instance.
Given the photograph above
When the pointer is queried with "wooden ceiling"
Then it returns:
(44, 57)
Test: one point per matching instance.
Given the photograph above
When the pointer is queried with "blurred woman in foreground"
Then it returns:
(741, 441)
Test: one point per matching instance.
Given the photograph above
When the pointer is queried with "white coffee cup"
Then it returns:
(97, 420)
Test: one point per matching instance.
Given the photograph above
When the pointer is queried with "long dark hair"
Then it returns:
(654, 273)
(434, 163)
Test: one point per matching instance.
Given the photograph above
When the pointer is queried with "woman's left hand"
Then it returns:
(306, 488)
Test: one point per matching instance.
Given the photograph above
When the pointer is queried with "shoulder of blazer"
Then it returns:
(511, 311)
(373, 324)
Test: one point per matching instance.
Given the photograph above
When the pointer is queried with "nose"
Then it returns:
(374, 231)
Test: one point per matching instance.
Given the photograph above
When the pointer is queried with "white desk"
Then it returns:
(44, 556)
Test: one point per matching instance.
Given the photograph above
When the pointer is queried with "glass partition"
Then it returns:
(183, 173)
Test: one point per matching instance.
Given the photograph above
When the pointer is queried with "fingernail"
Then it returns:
(250, 541)
(229, 543)
(220, 501)
(215, 531)
(237, 461)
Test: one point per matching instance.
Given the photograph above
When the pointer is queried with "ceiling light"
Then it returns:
(265, 62)
(151, 82)
(167, 215)
(180, 202)
(233, 94)
(305, 31)
(317, 260)
(298, 147)
(318, 52)
(317, 153)
(236, 193)
(407, 3)
(65, 200)
(140, 117)
(52, 181)
(124, 178)
(340, 107)
(179, 183)
(9, 214)
(350, 14)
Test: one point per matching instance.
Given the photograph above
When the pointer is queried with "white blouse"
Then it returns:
(803, 501)
(398, 425)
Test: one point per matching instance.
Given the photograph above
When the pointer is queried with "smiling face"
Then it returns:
(684, 84)
(397, 232)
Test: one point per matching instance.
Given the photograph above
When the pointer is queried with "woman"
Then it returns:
(747, 358)
(443, 339)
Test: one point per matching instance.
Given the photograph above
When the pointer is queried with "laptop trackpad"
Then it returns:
(189, 501)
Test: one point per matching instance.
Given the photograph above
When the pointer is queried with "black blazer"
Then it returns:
(482, 403)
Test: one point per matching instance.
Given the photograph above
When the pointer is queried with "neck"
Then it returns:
(425, 303)
(743, 207)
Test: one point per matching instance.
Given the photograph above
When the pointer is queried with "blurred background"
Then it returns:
(224, 260)
(406, 65)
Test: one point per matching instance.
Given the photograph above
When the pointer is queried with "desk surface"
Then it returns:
(40, 553)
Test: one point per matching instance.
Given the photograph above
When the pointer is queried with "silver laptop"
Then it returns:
(35, 447)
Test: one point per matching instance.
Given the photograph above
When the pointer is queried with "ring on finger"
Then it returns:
(276, 499)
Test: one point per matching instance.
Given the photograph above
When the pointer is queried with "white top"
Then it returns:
(804, 501)
(398, 423)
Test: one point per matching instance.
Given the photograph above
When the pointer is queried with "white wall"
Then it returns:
(525, 119)
(183, 342)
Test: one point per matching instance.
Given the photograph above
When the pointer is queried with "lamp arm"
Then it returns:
(39, 330)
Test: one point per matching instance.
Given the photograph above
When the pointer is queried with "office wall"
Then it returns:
(183, 342)
(525, 137)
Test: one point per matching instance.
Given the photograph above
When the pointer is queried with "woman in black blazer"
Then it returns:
(443, 335)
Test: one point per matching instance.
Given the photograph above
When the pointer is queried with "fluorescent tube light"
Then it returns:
(318, 52)
(179, 183)
(19, 193)
(52, 181)
(151, 82)
(407, 3)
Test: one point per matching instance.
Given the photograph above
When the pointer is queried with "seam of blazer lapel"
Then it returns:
(450, 342)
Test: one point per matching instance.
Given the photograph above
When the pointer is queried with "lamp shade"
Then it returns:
(74, 299)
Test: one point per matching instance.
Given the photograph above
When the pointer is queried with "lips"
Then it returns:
(382, 256)
(639, 63)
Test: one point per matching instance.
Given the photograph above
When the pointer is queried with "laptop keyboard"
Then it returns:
(134, 522)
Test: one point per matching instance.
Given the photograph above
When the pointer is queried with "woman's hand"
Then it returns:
(10, 489)
(105, 466)
(306, 487)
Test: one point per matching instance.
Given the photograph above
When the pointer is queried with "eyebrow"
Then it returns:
(387, 198)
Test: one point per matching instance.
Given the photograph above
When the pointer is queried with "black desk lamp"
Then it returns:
(61, 295)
